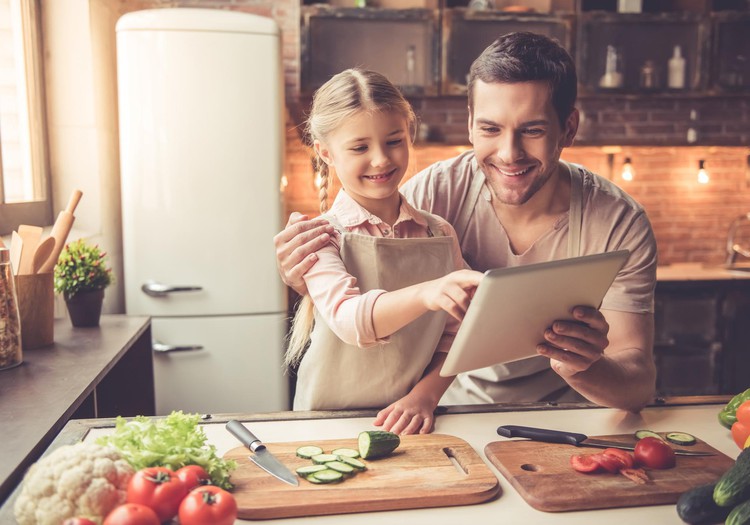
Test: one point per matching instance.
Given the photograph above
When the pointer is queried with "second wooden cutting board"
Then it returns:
(542, 475)
(420, 473)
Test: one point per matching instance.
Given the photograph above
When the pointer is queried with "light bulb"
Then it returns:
(283, 184)
(318, 180)
(627, 170)
(702, 173)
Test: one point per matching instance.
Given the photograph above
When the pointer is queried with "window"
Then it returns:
(24, 181)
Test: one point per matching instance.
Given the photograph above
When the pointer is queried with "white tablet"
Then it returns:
(512, 307)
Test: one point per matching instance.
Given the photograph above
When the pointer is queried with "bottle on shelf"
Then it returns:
(612, 77)
(676, 68)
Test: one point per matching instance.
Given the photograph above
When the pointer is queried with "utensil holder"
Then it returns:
(36, 303)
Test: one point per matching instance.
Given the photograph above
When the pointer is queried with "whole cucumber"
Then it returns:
(733, 487)
(740, 515)
(697, 506)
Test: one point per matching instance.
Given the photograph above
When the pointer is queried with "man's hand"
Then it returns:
(574, 346)
(296, 245)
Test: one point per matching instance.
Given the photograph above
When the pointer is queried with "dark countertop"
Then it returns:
(700, 272)
(71, 378)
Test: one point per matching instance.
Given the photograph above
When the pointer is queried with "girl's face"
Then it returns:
(370, 153)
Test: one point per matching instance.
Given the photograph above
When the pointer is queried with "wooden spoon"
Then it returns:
(42, 253)
(31, 236)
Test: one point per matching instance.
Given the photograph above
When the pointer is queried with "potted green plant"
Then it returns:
(81, 275)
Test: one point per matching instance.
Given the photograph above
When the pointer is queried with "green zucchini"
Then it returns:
(681, 438)
(328, 476)
(310, 469)
(377, 443)
(734, 486)
(322, 459)
(340, 466)
(309, 451)
(353, 462)
(697, 506)
(640, 434)
(348, 452)
(740, 515)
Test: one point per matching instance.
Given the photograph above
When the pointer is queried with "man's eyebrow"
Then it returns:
(537, 122)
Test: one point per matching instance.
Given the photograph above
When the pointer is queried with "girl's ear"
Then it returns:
(322, 151)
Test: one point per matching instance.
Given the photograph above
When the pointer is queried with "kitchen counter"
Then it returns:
(701, 272)
(478, 428)
(88, 372)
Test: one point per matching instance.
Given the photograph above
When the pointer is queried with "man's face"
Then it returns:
(517, 137)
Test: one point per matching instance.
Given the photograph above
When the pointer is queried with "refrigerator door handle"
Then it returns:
(155, 289)
(161, 348)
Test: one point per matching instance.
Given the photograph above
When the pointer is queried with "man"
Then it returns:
(512, 202)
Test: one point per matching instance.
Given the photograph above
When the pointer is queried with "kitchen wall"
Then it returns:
(690, 220)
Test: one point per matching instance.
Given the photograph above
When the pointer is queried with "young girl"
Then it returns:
(378, 337)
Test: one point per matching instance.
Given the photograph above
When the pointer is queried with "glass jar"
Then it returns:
(11, 353)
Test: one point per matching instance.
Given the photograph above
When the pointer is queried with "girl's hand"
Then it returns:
(451, 293)
(412, 414)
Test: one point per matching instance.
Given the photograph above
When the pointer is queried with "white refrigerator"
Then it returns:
(201, 143)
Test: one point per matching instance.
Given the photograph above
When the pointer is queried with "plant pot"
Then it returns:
(85, 308)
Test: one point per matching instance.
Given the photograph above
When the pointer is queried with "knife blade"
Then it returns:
(261, 456)
(575, 439)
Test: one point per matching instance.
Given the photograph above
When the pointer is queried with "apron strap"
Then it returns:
(469, 203)
(575, 215)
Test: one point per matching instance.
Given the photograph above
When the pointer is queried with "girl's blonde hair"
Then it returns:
(344, 95)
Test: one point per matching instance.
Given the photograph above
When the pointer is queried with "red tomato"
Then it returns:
(609, 463)
(584, 463)
(740, 433)
(623, 455)
(209, 505)
(193, 475)
(132, 514)
(652, 452)
(158, 488)
(743, 413)
(78, 521)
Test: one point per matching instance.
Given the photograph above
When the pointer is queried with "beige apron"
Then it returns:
(334, 375)
(529, 379)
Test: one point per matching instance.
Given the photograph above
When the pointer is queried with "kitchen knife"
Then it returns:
(261, 456)
(578, 440)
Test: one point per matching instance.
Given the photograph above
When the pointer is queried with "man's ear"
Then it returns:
(471, 133)
(571, 128)
(322, 151)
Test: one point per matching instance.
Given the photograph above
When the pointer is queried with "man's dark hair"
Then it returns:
(525, 57)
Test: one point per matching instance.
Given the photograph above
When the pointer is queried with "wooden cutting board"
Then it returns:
(542, 474)
(420, 473)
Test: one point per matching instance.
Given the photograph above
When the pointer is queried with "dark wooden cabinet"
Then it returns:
(702, 337)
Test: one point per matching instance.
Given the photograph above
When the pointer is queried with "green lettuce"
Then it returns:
(173, 442)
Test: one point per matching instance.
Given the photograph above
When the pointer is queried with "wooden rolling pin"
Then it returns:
(60, 231)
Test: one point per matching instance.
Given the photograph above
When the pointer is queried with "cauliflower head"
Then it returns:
(84, 479)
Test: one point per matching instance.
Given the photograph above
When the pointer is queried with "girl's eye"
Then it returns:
(395, 142)
(359, 149)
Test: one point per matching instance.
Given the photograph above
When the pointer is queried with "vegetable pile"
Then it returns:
(84, 479)
(173, 442)
(728, 414)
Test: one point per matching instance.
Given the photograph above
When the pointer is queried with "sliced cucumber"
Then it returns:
(310, 469)
(328, 476)
(640, 434)
(339, 466)
(377, 443)
(354, 462)
(309, 451)
(348, 452)
(681, 438)
(322, 459)
(312, 479)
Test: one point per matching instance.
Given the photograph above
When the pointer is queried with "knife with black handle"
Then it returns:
(575, 439)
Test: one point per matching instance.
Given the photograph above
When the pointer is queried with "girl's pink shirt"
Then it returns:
(346, 310)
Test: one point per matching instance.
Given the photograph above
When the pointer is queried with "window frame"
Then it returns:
(38, 212)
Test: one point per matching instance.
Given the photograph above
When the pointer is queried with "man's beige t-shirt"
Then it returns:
(611, 220)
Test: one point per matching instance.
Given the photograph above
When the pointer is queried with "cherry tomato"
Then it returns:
(654, 453)
(193, 475)
(740, 433)
(78, 521)
(584, 463)
(132, 514)
(209, 505)
(158, 488)
(623, 455)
